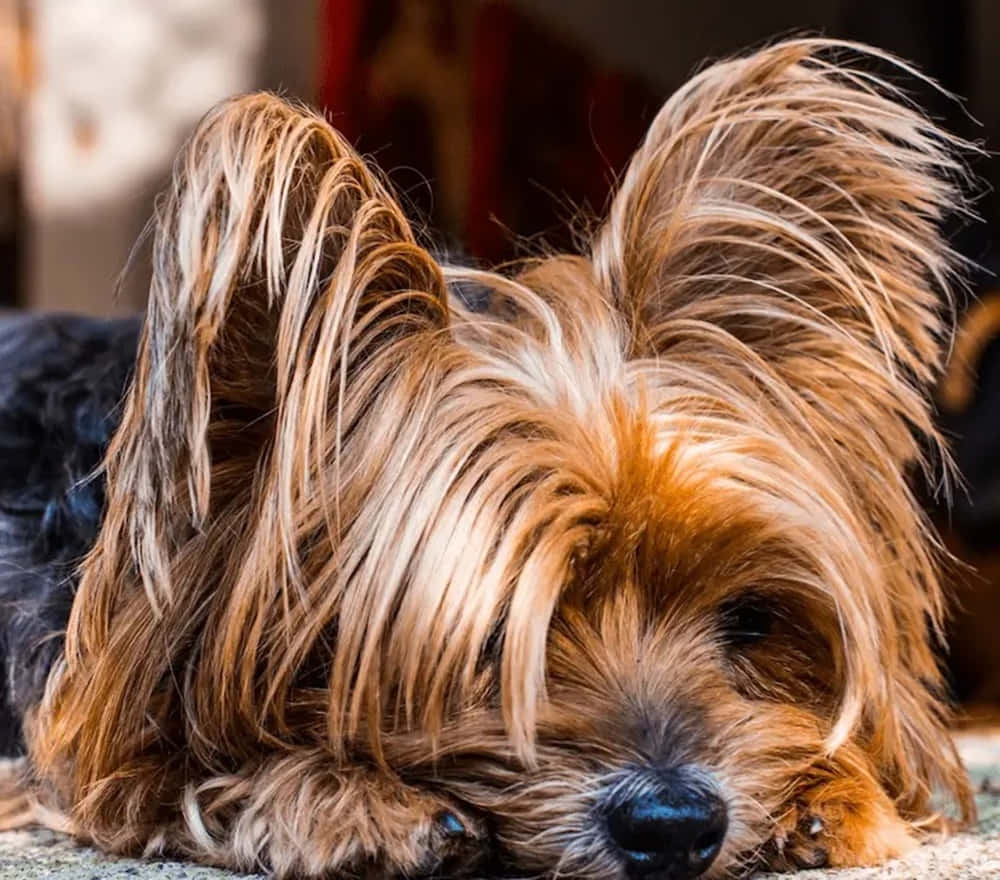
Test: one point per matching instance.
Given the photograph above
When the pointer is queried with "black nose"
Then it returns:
(673, 831)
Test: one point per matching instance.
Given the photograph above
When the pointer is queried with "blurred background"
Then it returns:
(499, 123)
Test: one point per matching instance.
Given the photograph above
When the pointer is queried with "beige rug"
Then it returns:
(41, 855)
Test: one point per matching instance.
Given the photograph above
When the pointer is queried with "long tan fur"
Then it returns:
(362, 538)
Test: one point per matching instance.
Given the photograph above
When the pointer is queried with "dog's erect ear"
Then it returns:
(793, 201)
(779, 230)
(281, 268)
(293, 329)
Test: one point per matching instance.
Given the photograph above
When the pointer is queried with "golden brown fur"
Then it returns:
(371, 557)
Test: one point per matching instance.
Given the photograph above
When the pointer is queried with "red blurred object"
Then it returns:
(341, 23)
(494, 129)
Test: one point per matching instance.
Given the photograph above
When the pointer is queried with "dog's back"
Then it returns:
(61, 378)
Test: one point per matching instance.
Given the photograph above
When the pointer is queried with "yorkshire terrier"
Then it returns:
(617, 573)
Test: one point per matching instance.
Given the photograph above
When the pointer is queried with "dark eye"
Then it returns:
(492, 648)
(746, 620)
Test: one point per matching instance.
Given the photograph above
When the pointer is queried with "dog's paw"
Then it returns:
(454, 841)
(426, 834)
(301, 819)
(838, 832)
(800, 841)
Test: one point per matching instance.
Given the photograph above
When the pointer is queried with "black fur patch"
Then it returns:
(61, 382)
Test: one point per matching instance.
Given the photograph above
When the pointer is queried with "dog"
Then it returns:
(618, 572)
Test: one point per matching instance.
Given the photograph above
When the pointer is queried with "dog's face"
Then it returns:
(619, 576)
(686, 690)
(699, 653)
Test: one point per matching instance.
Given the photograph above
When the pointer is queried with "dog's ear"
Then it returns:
(794, 202)
(283, 269)
(779, 231)
(292, 328)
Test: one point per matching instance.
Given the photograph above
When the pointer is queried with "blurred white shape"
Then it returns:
(120, 83)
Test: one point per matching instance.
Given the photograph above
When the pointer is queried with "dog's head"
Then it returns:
(625, 562)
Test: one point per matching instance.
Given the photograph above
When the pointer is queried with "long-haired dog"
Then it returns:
(617, 573)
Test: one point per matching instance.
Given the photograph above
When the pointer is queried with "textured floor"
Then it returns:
(46, 856)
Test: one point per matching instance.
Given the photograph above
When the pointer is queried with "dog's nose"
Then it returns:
(674, 831)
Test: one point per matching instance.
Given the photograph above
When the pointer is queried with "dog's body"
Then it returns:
(619, 576)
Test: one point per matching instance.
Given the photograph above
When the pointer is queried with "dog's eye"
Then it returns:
(746, 620)
(492, 648)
